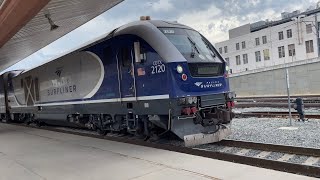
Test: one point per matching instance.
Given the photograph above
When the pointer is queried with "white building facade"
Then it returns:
(265, 44)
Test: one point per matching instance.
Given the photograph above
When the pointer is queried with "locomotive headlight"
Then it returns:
(191, 100)
(188, 100)
(227, 68)
(231, 95)
(179, 69)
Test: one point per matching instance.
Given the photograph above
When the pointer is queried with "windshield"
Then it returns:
(193, 46)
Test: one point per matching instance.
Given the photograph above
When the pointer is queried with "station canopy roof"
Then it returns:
(41, 30)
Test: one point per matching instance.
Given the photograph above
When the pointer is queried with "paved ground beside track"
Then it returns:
(28, 153)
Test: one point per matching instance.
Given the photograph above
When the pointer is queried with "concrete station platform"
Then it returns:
(28, 153)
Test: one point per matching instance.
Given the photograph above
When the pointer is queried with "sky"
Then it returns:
(212, 18)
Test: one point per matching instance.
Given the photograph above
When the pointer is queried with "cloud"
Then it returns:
(162, 5)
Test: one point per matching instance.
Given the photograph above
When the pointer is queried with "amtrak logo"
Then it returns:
(58, 72)
(211, 84)
(198, 83)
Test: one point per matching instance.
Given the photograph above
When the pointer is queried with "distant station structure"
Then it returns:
(26, 26)
(267, 44)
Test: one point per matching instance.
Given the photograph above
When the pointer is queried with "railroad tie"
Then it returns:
(311, 160)
(263, 154)
(243, 151)
(286, 157)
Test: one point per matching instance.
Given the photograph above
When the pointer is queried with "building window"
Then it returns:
(291, 49)
(289, 33)
(228, 61)
(309, 28)
(281, 52)
(245, 58)
(237, 46)
(258, 56)
(264, 39)
(266, 54)
(238, 61)
(226, 49)
(257, 41)
(280, 35)
(243, 43)
(309, 46)
(220, 50)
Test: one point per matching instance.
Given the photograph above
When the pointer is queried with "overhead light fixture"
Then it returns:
(53, 26)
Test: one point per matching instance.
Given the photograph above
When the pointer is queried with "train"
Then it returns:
(147, 78)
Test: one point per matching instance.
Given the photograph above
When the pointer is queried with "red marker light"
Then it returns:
(230, 104)
(194, 110)
(184, 77)
(186, 111)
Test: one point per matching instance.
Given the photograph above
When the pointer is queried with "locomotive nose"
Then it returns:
(206, 138)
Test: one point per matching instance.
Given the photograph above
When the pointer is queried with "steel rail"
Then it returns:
(275, 114)
(270, 104)
(274, 97)
(312, 171)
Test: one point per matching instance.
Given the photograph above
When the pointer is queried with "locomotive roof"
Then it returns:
(156, 23)
(146, 29)
(159, 23)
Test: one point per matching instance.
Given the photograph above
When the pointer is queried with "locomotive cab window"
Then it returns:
(197, 50)
(107, 54)
(125, 56)
(140, 52)
(143, 54)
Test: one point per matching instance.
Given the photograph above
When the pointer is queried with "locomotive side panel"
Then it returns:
(73, 77)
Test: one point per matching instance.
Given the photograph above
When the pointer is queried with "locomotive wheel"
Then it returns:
(27, 122)
(38, 123)
(101, 132)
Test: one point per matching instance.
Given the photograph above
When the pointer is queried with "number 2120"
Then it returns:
(160, 68)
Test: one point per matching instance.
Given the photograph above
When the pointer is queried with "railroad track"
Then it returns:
(272, 104)
(275, 114)
(227, 150)
(313, 98)
(280, 102)
(278, 157)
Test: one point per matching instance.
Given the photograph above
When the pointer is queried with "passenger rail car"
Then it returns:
(146, 77)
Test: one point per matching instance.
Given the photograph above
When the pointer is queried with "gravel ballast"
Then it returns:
(266, 130)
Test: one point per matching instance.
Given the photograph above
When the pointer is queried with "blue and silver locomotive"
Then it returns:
(147, 78)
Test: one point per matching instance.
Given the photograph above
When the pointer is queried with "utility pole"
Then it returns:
(288, 93)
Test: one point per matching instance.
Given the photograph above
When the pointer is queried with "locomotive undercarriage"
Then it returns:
(135, 120)
(102, 123)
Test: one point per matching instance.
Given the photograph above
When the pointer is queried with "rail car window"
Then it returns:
(10, 84)
(21, 83)
(125, 56)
